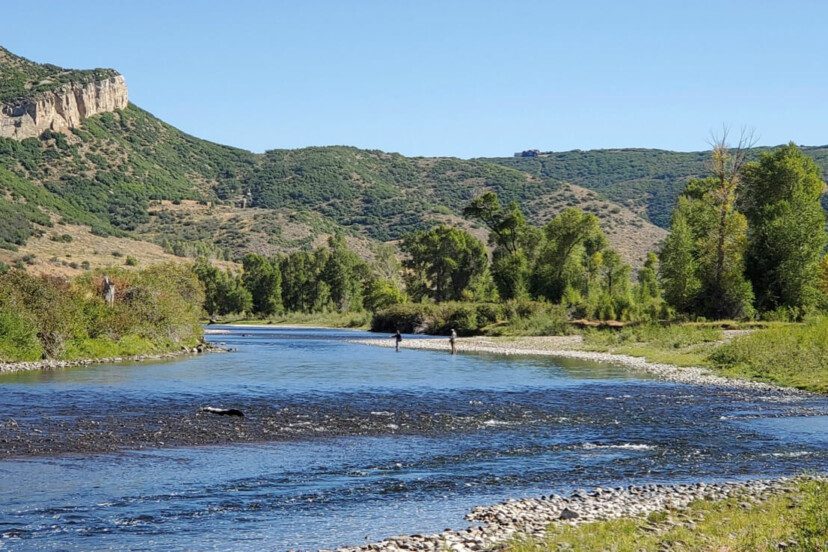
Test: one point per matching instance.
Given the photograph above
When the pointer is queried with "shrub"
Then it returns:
(18, 335)
(534, 318)
(441, 318)
(131, 261)
(408, 318)
(155, 309)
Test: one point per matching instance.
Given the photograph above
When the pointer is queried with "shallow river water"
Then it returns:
(343, 442)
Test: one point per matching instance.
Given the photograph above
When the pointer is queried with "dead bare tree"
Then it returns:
(726, 165)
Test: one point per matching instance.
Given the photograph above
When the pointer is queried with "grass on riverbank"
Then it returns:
(785, 354)
(356, 320)
(788, 355)
(797, 518)
(677, 344)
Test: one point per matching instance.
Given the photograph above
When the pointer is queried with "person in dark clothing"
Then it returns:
(397, 338)
(452, 339)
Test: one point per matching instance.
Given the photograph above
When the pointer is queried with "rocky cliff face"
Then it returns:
(62, 109)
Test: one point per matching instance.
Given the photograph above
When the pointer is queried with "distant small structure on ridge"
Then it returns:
(528, 153)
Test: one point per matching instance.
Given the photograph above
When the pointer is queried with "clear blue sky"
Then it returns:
(463, 78)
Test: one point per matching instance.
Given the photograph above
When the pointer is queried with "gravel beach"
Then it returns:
(51, 364)
(530, 517)
(567, 347)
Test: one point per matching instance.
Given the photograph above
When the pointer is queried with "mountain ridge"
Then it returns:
(127, 173)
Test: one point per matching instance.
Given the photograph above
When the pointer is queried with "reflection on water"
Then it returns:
(409, 442)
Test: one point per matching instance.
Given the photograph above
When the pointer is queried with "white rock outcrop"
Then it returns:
(62, 109)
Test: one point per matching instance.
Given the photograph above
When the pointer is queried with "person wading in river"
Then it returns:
(452, 339)
(397, 338)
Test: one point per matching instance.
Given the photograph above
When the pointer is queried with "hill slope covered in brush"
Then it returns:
(128, 174)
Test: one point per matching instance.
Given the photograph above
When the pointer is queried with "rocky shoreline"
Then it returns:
(52, 364)
(530, 517)
(557, 346)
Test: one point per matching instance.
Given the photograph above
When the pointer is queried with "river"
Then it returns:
(343, 443)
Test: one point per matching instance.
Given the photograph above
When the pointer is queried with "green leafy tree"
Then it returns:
(443, 262)
(571, 238)
(303, 289)
(510, 236)
(263, 279)
(381, 293)
(787, 237)
(648, 292)
(224, 292)
(344, 273)
(703, 260)
(679, 268)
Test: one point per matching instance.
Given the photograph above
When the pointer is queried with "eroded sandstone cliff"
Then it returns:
(63, 108)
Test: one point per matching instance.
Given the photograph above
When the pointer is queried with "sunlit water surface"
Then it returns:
(455, 432)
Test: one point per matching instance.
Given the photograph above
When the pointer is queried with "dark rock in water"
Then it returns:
(566, 514)
(223, 411)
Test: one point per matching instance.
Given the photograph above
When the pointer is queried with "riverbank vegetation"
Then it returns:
(154, 310)
(746, 244)
(796, 520)
(788, 355)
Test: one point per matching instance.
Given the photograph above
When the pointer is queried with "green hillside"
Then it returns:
(382, 194)
(105, 174)
(121, 172)
(647, 181)
(21, 78)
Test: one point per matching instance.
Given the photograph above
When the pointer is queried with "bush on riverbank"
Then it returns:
(797, 518)
(509, 318)
(156, 310)
(788, 355)
(314, 319)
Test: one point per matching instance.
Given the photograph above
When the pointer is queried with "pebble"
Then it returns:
(691, 374)
(51, 364)
(499, 523)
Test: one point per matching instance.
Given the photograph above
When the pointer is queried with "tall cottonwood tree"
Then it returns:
(703, 260)
(263, 280)
(344, 273)
(513, 241)
(443, 262)
(787, 237)
(570, 239)
(679, 269)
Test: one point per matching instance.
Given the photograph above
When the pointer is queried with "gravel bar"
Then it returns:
(560, 346)
(530, 517)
